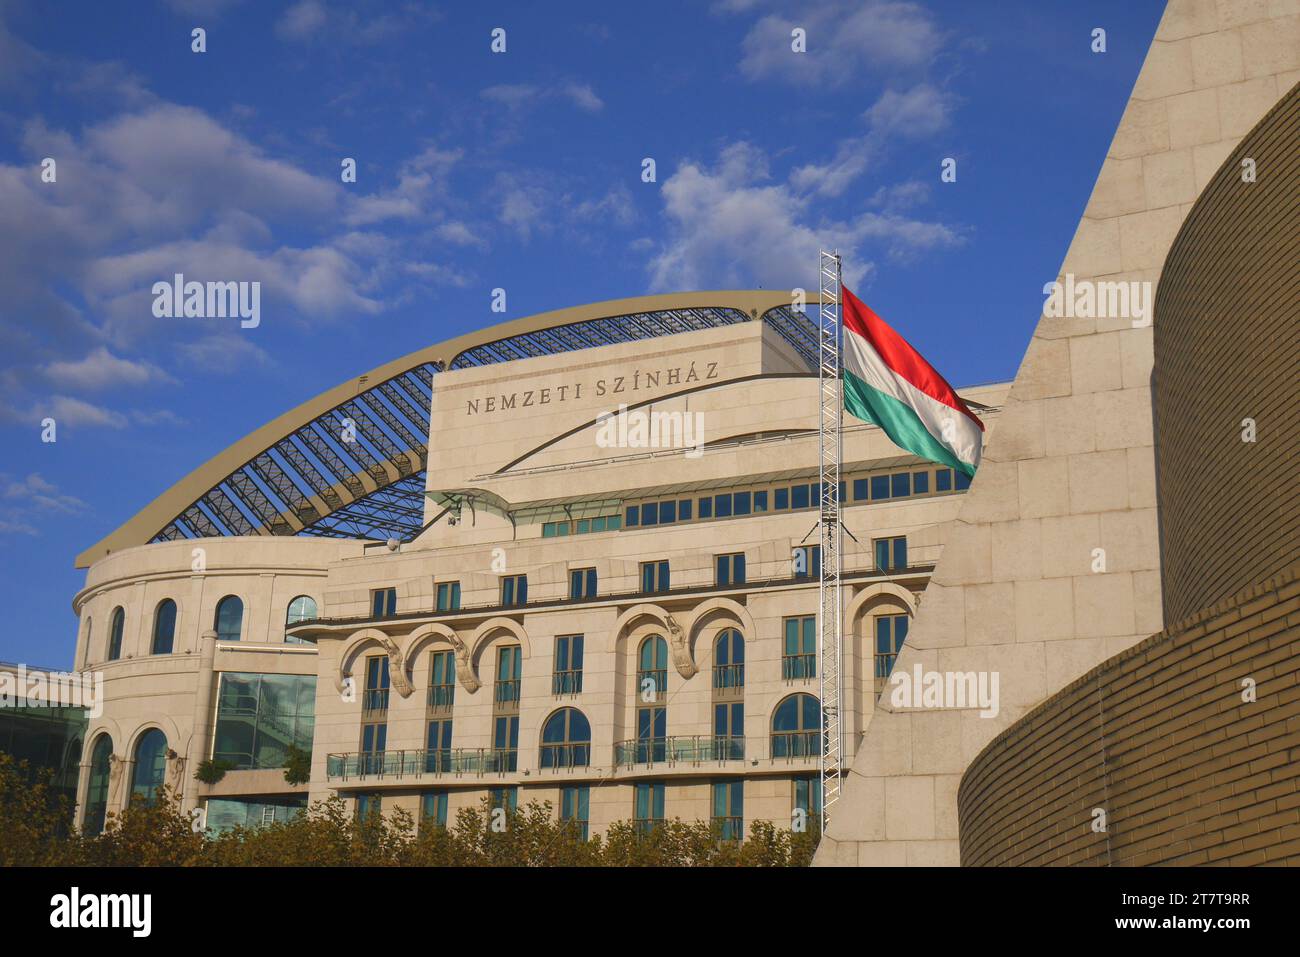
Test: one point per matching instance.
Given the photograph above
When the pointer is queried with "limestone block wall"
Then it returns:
(1163, 740)
(1070, 467)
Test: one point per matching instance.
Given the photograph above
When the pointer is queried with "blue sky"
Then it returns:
(477, 170)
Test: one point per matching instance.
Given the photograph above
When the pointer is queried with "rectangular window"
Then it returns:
(879, 487)
(509, 669)
(782, 496)
(442, 680)
(568, 665)
(900, 485)
(651, 734)
(740, 503)
(448, 596)
(943, 480)
(684, 509)
(729, 808)
(650, 514)
(383, 602)
(505, 798)
(860, 492)
(808, 800)
(437, 755)
(505, 743)
(962, 481)
(514, 590)
(582, 583)
(728, 722)
(920, 483)
(633, 516)
(575, 806)
(722, 506)
(730, 569)
(760, 501)
(369, 805)
(433, 809)
(648, 807)
(800, 496)
(808, 561)
(654, 576)
(799, 656)
(374, 741)
(891, 632)
(891, 553)
(667, 512)
(706, 507)
(260, 716)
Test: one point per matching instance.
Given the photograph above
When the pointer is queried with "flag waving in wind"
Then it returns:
(887, 383)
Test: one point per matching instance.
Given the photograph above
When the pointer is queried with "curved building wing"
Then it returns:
(350, 462)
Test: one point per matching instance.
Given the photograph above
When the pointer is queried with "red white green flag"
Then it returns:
(887, 383)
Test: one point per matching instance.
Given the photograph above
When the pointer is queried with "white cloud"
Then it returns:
(302, 20)
(921, 111)
(102, 370)
(224, 353)
(584, 97)
(35, 491)
(66, 410)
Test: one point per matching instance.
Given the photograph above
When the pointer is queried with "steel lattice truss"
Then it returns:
(357, 471)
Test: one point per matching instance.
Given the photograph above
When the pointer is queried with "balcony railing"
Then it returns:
(798, 667)
(374, 699)
(728, 681)
(441, 697)
(506, 694)
(400, 764)
(566, 682)
(575, 755)
(682, 749)
(796, 744)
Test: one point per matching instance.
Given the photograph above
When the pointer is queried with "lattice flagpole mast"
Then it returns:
(830, 610)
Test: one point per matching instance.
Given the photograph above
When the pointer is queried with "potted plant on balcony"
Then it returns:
(297, 765)
(212, 771)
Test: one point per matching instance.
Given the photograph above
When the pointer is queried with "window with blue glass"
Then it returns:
(652, 669)
(369, 806)
(729, 808)
(651, 734)
(650, 513)
(648, 806)
(943, 480)
(433, 809)
(510, 664)
(448, 595)
(383, 602)
(891, 632)
(566, 740)
(116, 628)
(164, 627)
(442, 681)
(149, 767)
(567, 678)
(375, 695)
(654, 576)
(962, 481)
(101, 766)
(799, 654)
(437, 752)
(582, 583)
(706, 507)
(261, 716)
(800, 496)
(575, 807)
(505, 743)
(514, 590)
(807, 561)
(741, 503)
(920, 483)
(860, 490)
(506, 799)
(797, 727)
(760, 500)
(729, 730)
(900, 485)
(302, 608)
(229, 621)
(808, 801)
(722, 505)
(633, 517)
(667, 512)
(782, 499)
(891, 553)
(729, 569)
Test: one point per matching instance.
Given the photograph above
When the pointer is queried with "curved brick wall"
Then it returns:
(1159, 737)
(1227, 347)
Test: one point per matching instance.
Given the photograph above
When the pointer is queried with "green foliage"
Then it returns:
(297, 765)
(210, 772)
(36, 828)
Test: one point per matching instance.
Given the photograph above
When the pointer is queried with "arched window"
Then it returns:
(97, 792)
(652, 669)
(164, 627)
(728, 660)
(566, 740)
(117, 624)
(150, 766)
(301, 608)
(797, 727)
(230, 618)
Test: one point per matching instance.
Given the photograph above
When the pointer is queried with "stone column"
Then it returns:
(201, 735)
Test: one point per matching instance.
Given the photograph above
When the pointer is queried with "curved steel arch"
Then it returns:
(350, 462)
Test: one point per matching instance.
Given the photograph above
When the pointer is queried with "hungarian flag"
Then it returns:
(886, 382)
